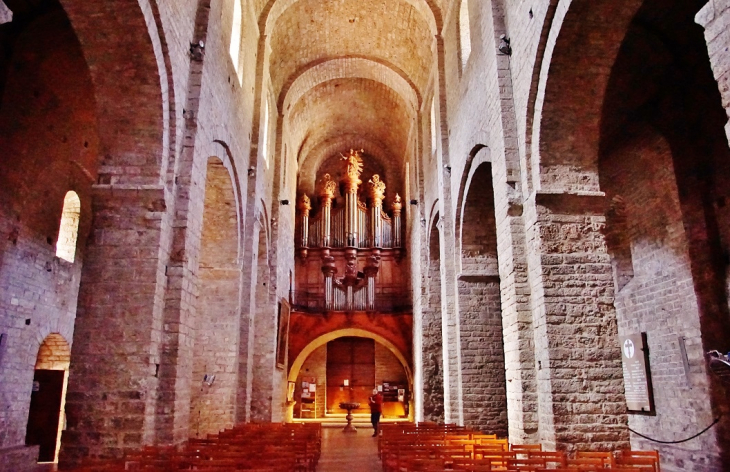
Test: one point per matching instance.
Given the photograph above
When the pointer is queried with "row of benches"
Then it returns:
(271, 447)
(430, 447)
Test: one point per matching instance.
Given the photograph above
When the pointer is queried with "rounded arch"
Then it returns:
(578, 33)
(230, 163)
(220, 238)
(311, 163)
(433, 216)
(54, 353)
(340, 333)
(135, 71)
(349, 67)
(477, 237)
(478, 155)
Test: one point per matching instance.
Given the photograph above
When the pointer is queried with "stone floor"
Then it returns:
(342, 452)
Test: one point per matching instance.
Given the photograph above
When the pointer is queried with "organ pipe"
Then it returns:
(356, 225)
(351, 181)
(377, 194)
(397, 207)
(326, 195)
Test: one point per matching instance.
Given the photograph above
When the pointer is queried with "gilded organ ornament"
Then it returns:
(304, 204)
(377, 190)
(327, 187)
(353, 171)
(397, 205)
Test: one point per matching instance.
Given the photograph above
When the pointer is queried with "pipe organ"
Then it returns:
(356, 232)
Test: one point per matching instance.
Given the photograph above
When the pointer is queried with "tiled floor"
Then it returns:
(345, 452)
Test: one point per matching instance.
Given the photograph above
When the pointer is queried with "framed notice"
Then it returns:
(637, 376)
(282, 336)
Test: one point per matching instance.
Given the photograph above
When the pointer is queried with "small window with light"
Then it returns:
(69, 231)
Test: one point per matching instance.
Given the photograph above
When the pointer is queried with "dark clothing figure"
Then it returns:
(376, 409)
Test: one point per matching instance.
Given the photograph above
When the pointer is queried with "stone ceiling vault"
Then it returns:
(352, 107)
(347, 72)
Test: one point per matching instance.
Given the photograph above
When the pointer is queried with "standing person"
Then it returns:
(376, 409)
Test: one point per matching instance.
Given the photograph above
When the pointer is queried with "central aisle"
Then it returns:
(349, 452)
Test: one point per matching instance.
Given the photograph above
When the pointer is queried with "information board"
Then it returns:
(637, 378)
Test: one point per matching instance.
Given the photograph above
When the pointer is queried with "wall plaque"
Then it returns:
(637, 378)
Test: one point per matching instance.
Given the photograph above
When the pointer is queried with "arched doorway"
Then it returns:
(46, 416)
(366, 360)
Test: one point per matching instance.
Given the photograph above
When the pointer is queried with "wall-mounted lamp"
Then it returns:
(346, 383)
(447, 168)
(414, 202)
(284, 202)
(251, 171)
(208, 379)
(720, 365)
(196, 50)
(504, 46)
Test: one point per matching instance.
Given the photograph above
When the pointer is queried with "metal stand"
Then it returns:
(349, 407)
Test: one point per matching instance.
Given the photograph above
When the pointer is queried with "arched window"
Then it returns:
(433, 125)
(235, 48)
(464, 32)
(265, 138)
(69, 231)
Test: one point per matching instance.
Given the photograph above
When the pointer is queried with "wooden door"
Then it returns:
(45, 410)
(352, 359)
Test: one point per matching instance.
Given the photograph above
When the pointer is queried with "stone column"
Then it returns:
(303, 206)
(397, 225)
(714, 17)
(115, 361)
(580, 388)
(264, 335)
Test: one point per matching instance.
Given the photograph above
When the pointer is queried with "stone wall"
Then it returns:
(218, 311)
(432, 349)
(123, 104)
(658, 298)
(482, 355)
(49, 144)
(714, 17)
(19, 459)
(388, 367)
(315, 366)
